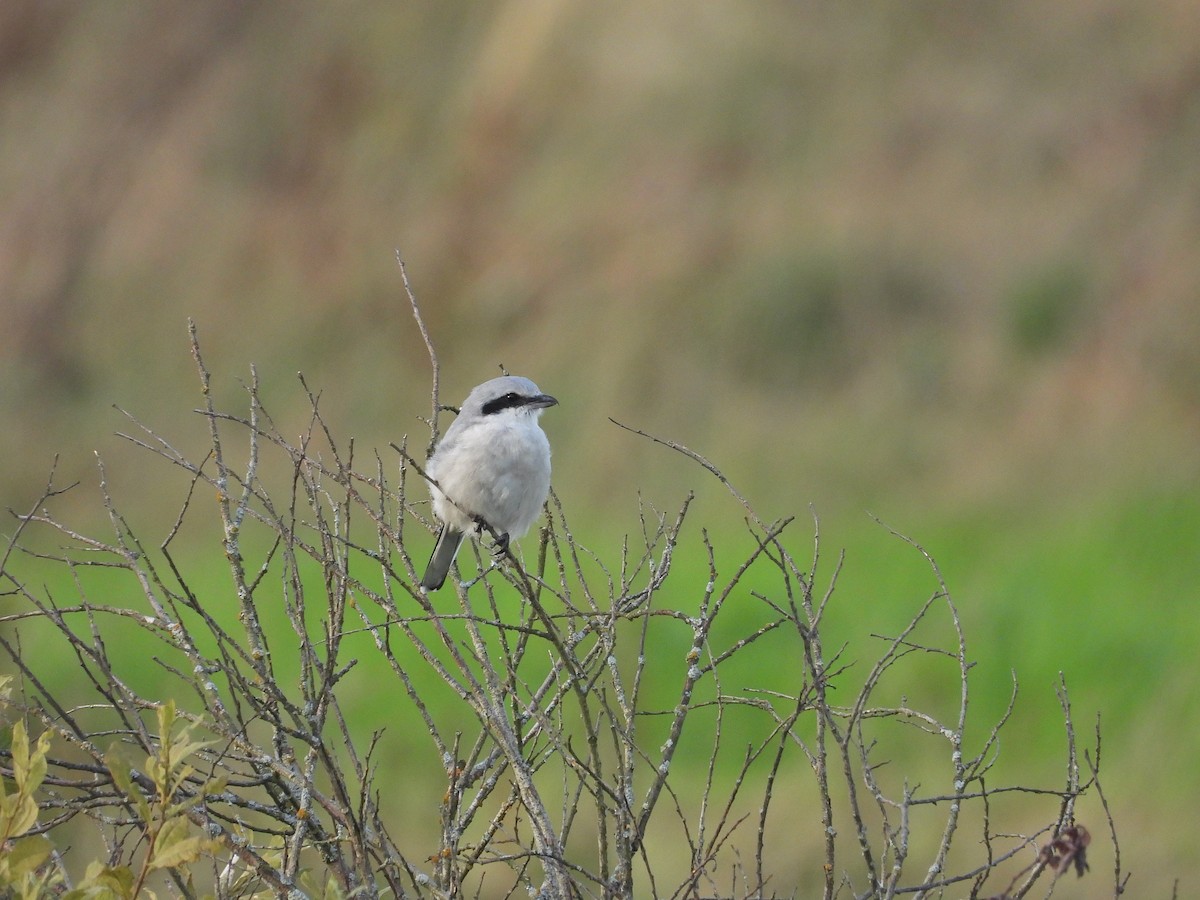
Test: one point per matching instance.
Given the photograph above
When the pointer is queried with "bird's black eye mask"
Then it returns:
(508, 401)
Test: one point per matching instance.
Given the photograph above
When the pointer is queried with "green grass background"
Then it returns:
(933, 263)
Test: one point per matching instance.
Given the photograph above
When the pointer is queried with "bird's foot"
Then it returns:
(501, 548)
(501, 539)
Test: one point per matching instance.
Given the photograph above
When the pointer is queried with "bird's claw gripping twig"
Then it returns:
(501, 539)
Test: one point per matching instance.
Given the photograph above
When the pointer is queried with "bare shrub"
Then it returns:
(593, 728)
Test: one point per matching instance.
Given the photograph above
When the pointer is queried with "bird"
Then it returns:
(491, 470)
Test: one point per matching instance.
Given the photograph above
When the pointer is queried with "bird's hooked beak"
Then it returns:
(541, 401)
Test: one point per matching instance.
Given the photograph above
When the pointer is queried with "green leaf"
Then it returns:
(166, 719)
(156, 773)
(174, 847)
(102, 883)
(179, 775)
(27, 854)
(21, 818)
(28, 767)
(36, 772)
(173, 829)
(182, 852)
(216, 785)
(181, 750)
(8, 802)
(122, 775)
(20, 752)
(118, 767)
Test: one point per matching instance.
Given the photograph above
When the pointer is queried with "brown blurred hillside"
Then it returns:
(950, 247)
(920, 258)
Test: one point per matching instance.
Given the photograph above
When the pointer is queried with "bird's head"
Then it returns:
(508, 392)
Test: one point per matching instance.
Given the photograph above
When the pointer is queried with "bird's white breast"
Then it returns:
(498, 469)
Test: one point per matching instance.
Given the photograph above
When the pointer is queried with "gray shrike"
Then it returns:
(492, 469)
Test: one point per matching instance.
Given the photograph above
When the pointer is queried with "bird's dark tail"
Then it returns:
(448, 542)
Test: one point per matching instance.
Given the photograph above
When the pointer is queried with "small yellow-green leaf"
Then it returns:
(155, 772)
(173, 830)
(181, 774)
(20, 752)
(8, 802)
(35, 770)
(119, 768)
(27, 854)
(181, 808)
(103, 883)
(122, 775)
(173, 846)
(20, 818)
(181, 750)
(143, 807)
(309, 883)
(166, 719)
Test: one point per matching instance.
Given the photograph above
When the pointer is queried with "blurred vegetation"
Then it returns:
(935, 261)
